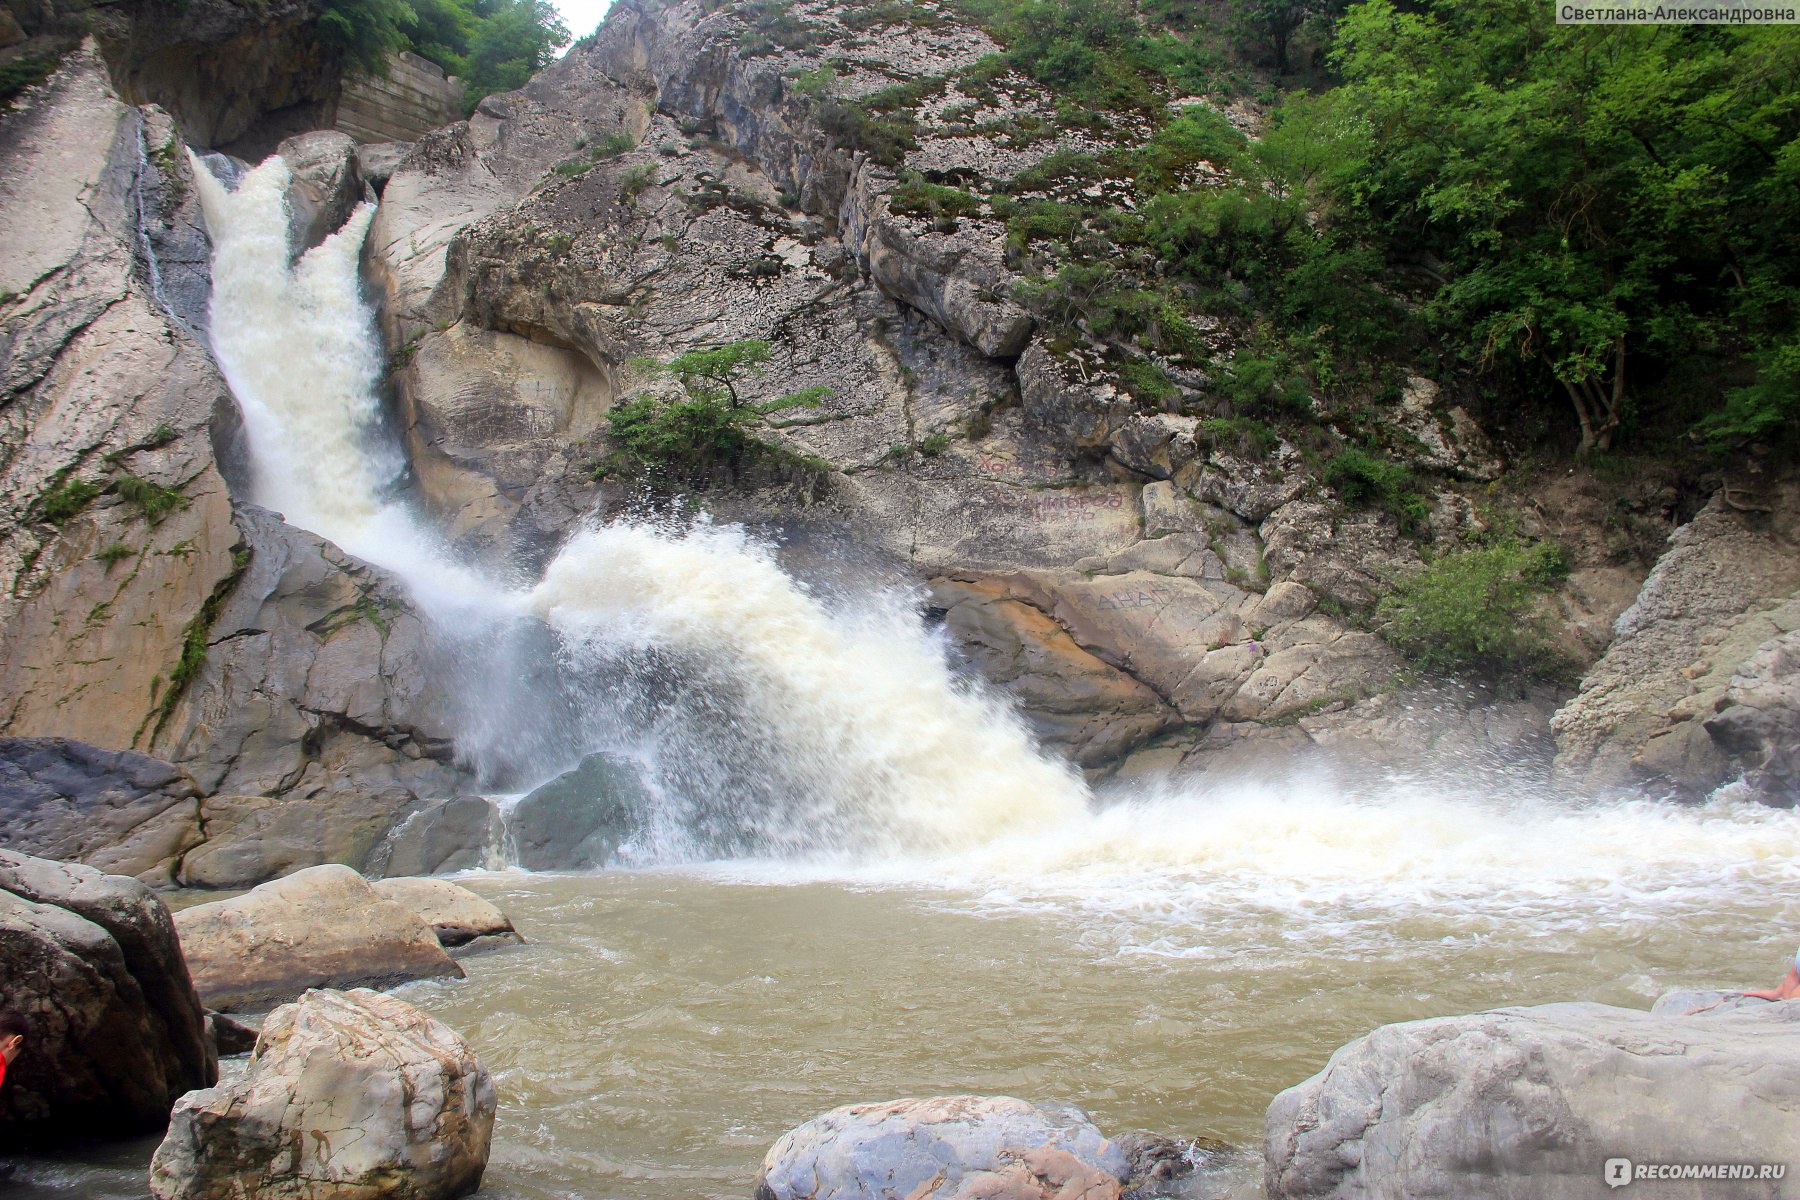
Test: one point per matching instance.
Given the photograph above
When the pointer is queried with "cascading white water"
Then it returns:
(828, 732)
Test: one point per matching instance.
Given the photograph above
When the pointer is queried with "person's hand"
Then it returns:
(10, 1046)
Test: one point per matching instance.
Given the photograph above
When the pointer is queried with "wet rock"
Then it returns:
(1534, 1101)
(1160, 1166)
(321, 927)
(1717, 603)
(451, 835)
(121, 812)
(456, 915)
(965, 1147)
(229, 1035)
(253, 839)
(314, 689)
(117, 1030)
(1091, 711)
(577, 820)
(376, 162)
(324, 187)
(347, 1094)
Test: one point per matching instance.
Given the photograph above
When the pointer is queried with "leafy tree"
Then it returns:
(713, 374)
(365, 32)
(1598, 200)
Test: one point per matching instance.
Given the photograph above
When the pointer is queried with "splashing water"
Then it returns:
(821, 737)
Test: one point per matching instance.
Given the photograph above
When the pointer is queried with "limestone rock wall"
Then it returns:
(141, 609)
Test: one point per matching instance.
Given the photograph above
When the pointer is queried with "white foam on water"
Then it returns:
(862, 700)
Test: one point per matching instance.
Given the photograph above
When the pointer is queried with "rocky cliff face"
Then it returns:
(659, 190)
(142, 609)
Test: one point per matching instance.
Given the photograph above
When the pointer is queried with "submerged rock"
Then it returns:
(321, 927)
(348, 1094)
(117, 1031)
(577, 820)
(1533, 1101)
(456, 915)
(993, 1147)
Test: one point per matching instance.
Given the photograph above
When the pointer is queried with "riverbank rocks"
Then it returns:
(1700, 682)
(456, 915)
(349, 1095)
(122, 812)
(321, 927)
(944, 1147)
(1532, 1102)
(117, 1031)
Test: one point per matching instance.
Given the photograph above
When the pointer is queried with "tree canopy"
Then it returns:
(492, 45)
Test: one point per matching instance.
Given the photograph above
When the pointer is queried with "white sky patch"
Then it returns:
(582, 16)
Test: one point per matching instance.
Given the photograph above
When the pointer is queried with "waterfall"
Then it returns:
(792, 725)
(778, 722)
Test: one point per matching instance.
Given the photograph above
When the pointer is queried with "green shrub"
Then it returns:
(22, 73)
(64, 498)
(113, 553)
(886, 139)
(690, 437)
(916, 198)
(1241, 435)
(1473, 612)
(1148, 383)
(1365, 481)
(153, 500)
(1264, 384)
(636, 181)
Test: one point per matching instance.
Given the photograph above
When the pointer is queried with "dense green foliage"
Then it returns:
(1601, 202)
(494, 45)
(1474, 611)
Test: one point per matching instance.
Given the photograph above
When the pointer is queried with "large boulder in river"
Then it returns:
(1529, 1103)
(321, 927)
(117, 1031)
(944, 1147)
(577, 820)
(348, 1094)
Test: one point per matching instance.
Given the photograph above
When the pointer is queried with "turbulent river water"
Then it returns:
(866, 882)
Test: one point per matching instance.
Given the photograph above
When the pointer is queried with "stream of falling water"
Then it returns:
(921, 901)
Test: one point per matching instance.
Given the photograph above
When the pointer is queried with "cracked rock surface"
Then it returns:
(350, 1095)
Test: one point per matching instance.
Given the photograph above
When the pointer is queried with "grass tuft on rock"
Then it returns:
(1475, 612)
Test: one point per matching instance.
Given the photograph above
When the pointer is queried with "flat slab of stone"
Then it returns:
(320, 927)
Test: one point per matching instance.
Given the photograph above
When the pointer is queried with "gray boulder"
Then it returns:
(123, 812)
(321, 927)
(451, 835)
(117, 1030)
(994, 1147)
(577, 820)
(348, 1094)
(323, 188)
(1530, 1103)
